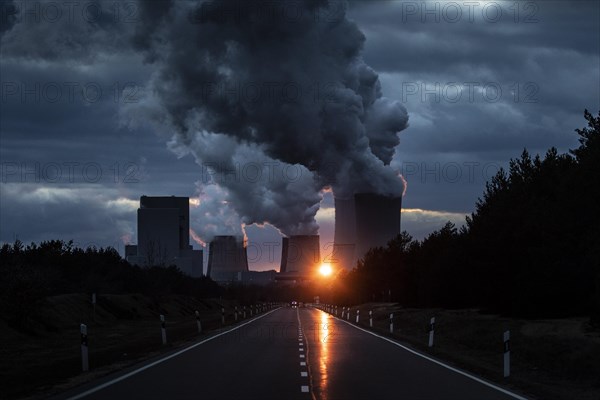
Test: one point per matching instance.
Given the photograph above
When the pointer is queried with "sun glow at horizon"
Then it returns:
(325, 269)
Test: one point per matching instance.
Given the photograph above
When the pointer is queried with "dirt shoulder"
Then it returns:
(123, 330)
(550, 359)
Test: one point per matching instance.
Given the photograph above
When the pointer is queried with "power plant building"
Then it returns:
(164, 235)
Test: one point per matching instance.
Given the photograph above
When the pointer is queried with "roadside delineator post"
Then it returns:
(163, 329)
(244, 312)
(222, 315)
(506, 354)
(392, 323)
(343, 311)
(431, 331)
(94, 307)
(235, 313)
(250, 307)
(357, 316)
(370, 318)
(85, 364)
(348, 315)
(198, 322)
(336, 311)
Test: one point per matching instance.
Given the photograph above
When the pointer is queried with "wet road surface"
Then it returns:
(289, 354)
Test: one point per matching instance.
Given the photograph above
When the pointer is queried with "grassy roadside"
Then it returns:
(124, 330)
(550, 359)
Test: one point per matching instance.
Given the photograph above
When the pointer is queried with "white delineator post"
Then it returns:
(223, 315)
(198, 322)
(93, 306)
(392, 323)
(431, 331)
(343, 311)
(348, 315)
(506, 354)
(357, 316)
(85, 364)
(244, 312)
(163, 329)
(370, 318)
(336, 311)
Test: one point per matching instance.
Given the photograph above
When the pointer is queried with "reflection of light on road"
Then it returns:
(324, 337)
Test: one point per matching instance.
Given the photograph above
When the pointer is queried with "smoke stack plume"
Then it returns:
(251, 82)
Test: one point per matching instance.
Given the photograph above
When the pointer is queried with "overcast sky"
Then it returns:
(480, 81)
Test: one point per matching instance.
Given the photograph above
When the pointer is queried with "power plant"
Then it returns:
(227, 257)
(300, 257)
(362, 222)
(164, 235)
(344, 242)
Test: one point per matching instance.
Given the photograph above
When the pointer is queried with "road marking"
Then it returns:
(303, 364)
(304, 389)
(301, 349)
(145, 367)
(301, 355)
(304, 374)
(458, 371)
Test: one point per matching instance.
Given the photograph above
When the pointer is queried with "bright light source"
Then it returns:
(325, 270)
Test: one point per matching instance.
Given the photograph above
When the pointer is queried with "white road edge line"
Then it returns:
(145, 367)
(473, 377)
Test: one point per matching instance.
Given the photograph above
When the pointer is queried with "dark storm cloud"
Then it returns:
(90, 216)
(546, 67)
(8, 15)
(68, 32)
(439, 39)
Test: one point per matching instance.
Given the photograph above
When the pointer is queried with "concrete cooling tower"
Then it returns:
(227, 256)
(377, 220)
(300, 254)
(363, 221)
(284, 253)
(344, 243)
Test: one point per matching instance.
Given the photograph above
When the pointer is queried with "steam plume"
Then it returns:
(276, 81)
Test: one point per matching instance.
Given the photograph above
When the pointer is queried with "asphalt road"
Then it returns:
(291, 354)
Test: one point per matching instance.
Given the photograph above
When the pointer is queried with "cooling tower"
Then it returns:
(343, 256)
(227, 256)
(284, 253)
(344, 246)
(345, 224)
(377, 220)
(302, 254)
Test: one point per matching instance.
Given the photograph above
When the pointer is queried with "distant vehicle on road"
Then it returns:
(294, 304)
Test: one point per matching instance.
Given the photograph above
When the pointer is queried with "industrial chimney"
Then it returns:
(301, 255)
(227, 256)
